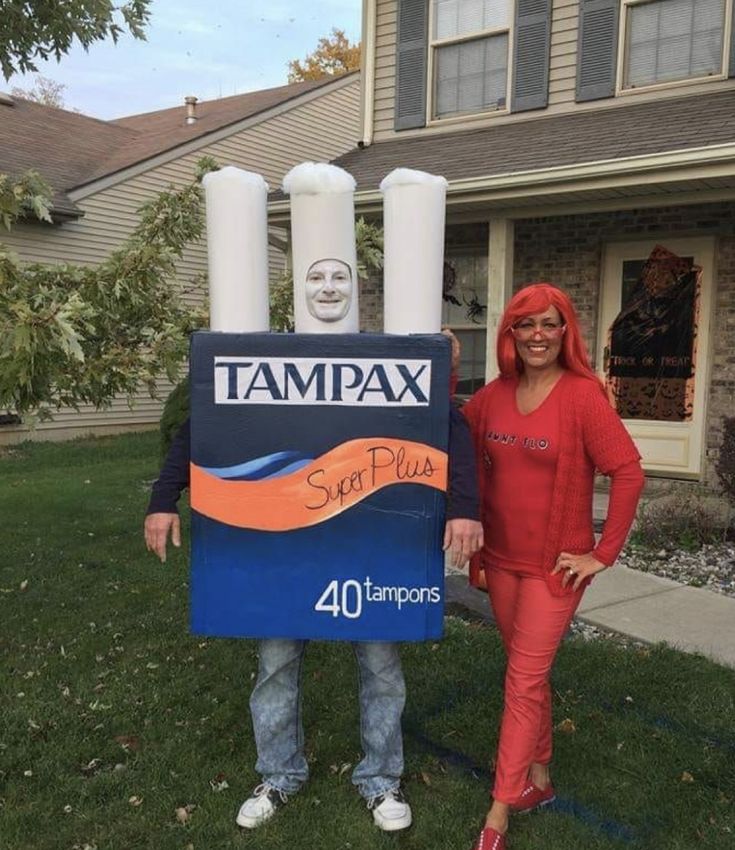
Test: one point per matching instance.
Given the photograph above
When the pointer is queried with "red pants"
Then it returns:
(532, 623)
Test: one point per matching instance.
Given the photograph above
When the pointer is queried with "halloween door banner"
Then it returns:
(652, 342)
(319, 465)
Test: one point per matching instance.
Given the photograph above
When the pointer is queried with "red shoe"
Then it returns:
(490, 839)
(534, 797)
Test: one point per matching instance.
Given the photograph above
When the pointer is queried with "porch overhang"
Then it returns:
(692, 175)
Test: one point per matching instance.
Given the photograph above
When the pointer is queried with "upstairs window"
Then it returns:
(469, 45)
(672, 40)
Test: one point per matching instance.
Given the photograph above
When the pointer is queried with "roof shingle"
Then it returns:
(70, 150)
(570, 139)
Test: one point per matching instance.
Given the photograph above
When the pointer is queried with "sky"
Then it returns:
(206, 48)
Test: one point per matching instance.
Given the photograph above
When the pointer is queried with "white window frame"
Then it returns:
(620, 90)
(435, 43)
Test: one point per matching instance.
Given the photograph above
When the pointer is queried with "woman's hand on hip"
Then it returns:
(576, 568)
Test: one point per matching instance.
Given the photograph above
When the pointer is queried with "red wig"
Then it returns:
(537, 298)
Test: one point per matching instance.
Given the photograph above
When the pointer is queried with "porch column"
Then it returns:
(499, 284)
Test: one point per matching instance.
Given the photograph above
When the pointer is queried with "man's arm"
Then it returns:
(463, 531)
(162, 516)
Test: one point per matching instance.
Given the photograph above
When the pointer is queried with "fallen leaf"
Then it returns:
(128, 742)
(91, 767)
(425, 778)
(567, 726)
(23, 585)
(687, 777)
(135, 800)
(182, 815)
(219, 783)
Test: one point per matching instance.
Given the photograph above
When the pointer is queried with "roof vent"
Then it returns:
(191, 109)
(6, 99)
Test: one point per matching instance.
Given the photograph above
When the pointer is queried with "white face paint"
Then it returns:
(328, 289)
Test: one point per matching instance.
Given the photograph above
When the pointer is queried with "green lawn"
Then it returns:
(113, 716)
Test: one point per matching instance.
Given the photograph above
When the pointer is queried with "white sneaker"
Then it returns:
(391, 811)
(260, 806)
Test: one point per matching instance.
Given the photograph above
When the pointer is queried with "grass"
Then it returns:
(114, 716)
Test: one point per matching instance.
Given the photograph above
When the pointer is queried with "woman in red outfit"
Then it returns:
(541, 431)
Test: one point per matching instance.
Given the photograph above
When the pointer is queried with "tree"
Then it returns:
(37, 29)
(333, 56)
(72, 334)
(45, 91)
(27, 194)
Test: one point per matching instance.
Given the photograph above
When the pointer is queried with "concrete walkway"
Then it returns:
(641, 606)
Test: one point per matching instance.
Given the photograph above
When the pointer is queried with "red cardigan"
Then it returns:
(592, 437)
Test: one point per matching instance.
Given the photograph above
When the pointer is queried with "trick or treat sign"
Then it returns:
(318, 476)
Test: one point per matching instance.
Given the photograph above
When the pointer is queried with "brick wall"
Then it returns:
(567, 250)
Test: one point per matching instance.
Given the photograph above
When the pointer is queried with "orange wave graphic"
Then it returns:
(330, 484)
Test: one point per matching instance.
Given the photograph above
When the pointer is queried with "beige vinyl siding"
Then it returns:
(385, 67)
(320, 129)
(563, 61)
(562, 78)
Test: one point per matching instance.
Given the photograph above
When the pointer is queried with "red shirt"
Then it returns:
(520, 455)
(587, 435)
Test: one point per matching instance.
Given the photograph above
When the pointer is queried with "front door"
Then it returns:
(653, 346)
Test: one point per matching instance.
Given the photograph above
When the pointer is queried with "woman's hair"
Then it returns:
(537, 298)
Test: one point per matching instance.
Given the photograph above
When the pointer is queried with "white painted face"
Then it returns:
(329, 289)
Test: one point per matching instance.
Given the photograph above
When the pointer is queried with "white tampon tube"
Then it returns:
(414, 205)
(237, 248)
(323, 248)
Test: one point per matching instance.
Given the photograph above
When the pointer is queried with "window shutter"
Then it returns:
(597, 49)
(531, 48)
(411, 53)
(732, 48)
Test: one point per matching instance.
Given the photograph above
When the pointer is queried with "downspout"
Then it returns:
(367, 63)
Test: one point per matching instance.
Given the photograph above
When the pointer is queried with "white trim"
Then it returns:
(622, 91)
(367, 70)
(207, 139)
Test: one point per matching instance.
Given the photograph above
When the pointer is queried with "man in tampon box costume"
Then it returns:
(279, 502)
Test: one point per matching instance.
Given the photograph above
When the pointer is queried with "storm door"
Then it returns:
(653, 346)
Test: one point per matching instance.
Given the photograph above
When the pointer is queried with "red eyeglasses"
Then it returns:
(548, 329)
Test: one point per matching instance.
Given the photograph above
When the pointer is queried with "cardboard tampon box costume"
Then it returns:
(319, 460)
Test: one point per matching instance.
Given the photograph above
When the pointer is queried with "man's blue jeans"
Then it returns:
(275, 707)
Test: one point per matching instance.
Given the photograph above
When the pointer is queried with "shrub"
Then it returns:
(685, 517)
(175, 411)
(725, 465)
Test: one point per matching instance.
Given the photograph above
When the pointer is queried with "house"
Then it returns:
(102, 171)
(577, 136)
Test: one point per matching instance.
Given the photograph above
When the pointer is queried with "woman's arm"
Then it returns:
(625, 490)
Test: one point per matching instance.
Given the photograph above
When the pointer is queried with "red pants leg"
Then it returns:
(532, 623)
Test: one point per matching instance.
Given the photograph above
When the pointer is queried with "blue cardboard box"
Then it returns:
(318, 483)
